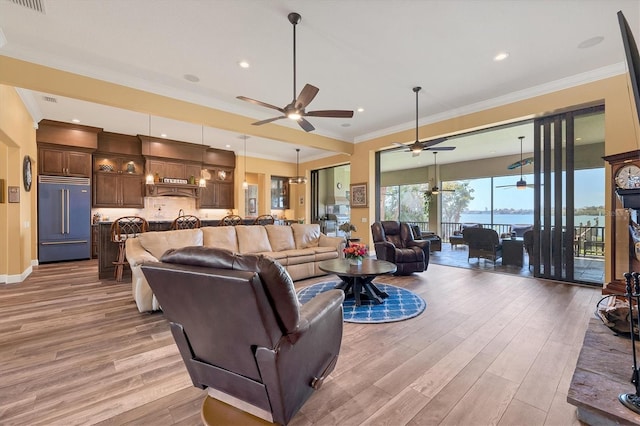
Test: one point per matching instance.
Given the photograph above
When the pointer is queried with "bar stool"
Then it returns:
(231, 220)
(122, 229)
(265, 219)
(186, 222)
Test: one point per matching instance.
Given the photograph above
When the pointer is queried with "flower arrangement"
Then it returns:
(355, 251)
(347, 228)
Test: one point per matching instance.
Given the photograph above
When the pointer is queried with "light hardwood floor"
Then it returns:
(489, 349)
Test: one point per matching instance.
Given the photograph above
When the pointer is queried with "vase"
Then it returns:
(355, 261)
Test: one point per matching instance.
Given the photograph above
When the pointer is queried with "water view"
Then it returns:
(515, 218)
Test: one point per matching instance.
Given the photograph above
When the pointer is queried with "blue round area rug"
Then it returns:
(401, 304)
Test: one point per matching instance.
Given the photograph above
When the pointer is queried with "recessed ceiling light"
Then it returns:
(228, 146)
(360, 109)
(578, 139)
(75, 120)
(163, 135)
(192, 78)
(590, 42)
(243, 64)
(501, 56)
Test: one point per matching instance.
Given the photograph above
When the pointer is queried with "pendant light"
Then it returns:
(298, 179)
(150, 179)
(435, 190)
(245, 184)
(202, 182)
(521, 184)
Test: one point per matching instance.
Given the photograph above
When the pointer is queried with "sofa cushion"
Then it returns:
(158, 242)
(296, 256)
(280, 237)
(306, 235)
(220, 237)
(252, 239)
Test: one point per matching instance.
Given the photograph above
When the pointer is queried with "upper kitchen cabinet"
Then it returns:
(118, 181)
(65, 149)
(118, 172)
(63, 162)
(279, 192)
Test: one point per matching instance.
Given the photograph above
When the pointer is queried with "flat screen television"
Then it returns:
(632, 57)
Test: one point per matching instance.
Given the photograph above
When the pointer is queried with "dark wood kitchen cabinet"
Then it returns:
(118, 181)
(64, 162)
(219, 191)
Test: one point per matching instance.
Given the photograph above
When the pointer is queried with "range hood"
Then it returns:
(337, 184)
(336, 199)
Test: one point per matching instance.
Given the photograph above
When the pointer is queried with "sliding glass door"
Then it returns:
(568, 196)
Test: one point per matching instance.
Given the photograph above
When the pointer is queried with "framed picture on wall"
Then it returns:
(358, 195)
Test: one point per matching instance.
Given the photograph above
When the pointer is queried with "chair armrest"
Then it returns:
(136, 254)
(326, 241)
(315, 310)
(423, 244)
(291, 370)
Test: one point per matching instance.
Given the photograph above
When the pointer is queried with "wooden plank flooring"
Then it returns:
(489, 349)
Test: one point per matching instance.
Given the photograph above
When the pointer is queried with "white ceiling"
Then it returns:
(360, 53)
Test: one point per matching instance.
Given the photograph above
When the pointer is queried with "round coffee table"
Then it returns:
(357, 279)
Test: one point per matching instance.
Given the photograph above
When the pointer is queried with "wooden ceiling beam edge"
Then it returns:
(27, 75)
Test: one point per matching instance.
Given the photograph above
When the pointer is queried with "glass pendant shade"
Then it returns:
(298, 179)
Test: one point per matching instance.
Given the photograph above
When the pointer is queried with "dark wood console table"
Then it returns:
(603, 371)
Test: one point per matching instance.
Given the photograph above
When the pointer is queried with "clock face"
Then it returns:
(628, 177)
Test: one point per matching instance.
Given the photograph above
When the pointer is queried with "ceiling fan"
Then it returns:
(521, 184)
(435, 190)
(296, 109)
(418, 146)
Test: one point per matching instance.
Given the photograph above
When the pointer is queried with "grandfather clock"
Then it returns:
(625, 204)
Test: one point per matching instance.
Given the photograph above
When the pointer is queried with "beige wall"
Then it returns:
(18, 246)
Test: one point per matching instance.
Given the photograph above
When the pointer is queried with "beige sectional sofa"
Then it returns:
(299, 248)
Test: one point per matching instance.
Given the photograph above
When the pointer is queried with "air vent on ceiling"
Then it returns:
(50, 99)
(37, 5)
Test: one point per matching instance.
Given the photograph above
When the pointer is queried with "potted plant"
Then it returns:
(347, 228)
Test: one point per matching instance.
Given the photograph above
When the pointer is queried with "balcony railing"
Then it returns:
(588, 240)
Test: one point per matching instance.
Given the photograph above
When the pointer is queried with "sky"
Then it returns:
(589, 191)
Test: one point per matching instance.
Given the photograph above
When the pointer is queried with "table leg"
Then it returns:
(361, 288)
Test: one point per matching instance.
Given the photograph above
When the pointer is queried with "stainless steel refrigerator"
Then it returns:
(64, 218)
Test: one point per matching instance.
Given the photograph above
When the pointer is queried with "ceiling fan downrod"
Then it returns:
(295, 19)
(416, 90)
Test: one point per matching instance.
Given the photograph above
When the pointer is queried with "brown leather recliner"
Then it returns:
(393, 242)
(241, 331)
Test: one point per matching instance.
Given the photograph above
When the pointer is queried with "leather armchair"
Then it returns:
(483, 243)
(393, 242)
(241, 332)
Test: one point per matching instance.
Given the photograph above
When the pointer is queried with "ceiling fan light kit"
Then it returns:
(417, 147)
(296, 109)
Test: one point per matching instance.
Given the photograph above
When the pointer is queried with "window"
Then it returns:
(405, 203)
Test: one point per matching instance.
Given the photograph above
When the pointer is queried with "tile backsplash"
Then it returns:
(168, 208)
(161, 209)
